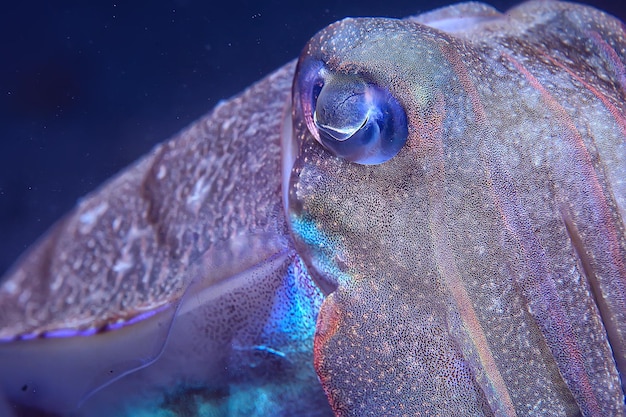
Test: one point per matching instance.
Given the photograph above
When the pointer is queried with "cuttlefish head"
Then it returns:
(433, 204)
(362, 127)
(371, 102)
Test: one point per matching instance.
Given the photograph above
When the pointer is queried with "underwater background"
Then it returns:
(86, 88)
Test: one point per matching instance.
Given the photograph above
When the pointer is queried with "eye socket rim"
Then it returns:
(310, 81)
(307, 87)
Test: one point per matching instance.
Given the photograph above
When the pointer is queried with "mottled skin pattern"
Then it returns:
(482, 271)
(158, 210)
(202, 212)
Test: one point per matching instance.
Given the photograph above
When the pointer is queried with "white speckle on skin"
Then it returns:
(198, 194)
(135, 233)
(10, 287)
(228, 123)
(56, 283)
(24, 296)
(122, 265)
(77, 264)
(162, 172)
(116, 224)
(89, 218)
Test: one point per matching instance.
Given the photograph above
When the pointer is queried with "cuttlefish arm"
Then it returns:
(175, 287)
(479, 267)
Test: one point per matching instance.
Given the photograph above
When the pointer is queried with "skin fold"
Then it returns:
(251, 266)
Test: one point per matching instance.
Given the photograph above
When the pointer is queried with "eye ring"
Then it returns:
(353, 118)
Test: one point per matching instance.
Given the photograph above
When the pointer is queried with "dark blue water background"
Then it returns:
(88, 87)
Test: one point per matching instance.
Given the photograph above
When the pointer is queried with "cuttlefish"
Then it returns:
(421, 217)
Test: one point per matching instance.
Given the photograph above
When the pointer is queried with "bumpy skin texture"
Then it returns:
(482, 270)
(124, 249)
(200, 218)
(478, 272)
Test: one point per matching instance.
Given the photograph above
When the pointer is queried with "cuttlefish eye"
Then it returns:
(351, 117)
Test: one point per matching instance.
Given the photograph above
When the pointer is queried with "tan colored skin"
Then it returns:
(482, 271)
(195, 230)
(478, 272)
(125, 249)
